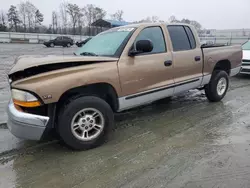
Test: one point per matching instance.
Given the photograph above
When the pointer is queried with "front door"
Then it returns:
(187, 58)
(146, 77)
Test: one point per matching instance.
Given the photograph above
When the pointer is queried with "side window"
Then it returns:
(155, 35)
(179, 38)
(191, 37)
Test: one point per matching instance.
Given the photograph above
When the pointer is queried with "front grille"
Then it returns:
(245, 70)
(245, 64)
(246, 60)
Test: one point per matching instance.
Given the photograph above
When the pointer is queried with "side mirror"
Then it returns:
(142, 46)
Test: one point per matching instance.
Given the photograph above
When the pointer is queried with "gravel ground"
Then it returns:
(186, 142)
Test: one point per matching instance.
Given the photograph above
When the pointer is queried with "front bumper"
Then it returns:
(245, 68)
(24, 125)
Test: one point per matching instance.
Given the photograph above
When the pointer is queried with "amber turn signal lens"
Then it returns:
(27, 104)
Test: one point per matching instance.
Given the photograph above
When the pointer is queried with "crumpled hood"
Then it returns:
(28, 61)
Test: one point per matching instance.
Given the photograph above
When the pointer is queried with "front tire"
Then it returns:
(52, 45)
(85, 122)
(217, 87)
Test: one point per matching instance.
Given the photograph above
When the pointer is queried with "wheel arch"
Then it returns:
(103, 90)
(224, 64)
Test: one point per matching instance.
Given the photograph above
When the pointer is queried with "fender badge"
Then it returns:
(45, 97)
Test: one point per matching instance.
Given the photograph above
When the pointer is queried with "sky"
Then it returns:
(211, 14)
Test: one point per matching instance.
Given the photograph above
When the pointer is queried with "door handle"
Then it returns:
(197, 58)
(168, 63)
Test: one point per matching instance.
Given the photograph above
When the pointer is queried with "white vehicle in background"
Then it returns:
(245, 68)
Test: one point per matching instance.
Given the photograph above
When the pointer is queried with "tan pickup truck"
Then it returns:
(118, 69)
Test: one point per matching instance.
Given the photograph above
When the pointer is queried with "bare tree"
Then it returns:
(80, 22)
(27, 12)
(23, 13)
(74, 11)
(117, 15)
(3, 24)
(150, 19)
(98, 13)
(93, 13)
(31, 11)
(3, 18)
(196, 24)
(54, 22)
(145, 20)
(64, 16)
(173, 19)
(155, 19)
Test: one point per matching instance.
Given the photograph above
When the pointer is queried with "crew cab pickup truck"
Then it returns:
(116, 70)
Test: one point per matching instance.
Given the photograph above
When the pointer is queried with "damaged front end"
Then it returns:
(38, 82)
(27, 66)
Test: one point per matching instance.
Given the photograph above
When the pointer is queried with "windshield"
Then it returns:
(106, 43)
(246, 46)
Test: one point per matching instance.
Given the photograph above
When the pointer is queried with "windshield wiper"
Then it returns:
(88, 54)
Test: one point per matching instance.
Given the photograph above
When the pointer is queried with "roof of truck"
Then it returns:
(152, 24)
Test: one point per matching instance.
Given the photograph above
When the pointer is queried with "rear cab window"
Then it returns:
(182, 37)
(191, 37)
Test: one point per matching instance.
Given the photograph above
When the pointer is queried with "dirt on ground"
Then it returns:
(183, 142)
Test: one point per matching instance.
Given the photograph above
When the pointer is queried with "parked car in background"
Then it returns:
(60, 41)
(80, 44)
(116, 70)
(245, 68)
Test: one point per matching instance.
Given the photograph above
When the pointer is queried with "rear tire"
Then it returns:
(68, 45)
(217, 87)
(76, 118)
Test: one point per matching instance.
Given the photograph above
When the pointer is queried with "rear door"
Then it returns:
(146, 77)
(187, 58)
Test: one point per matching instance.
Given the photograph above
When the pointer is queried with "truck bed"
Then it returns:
(216, 53)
